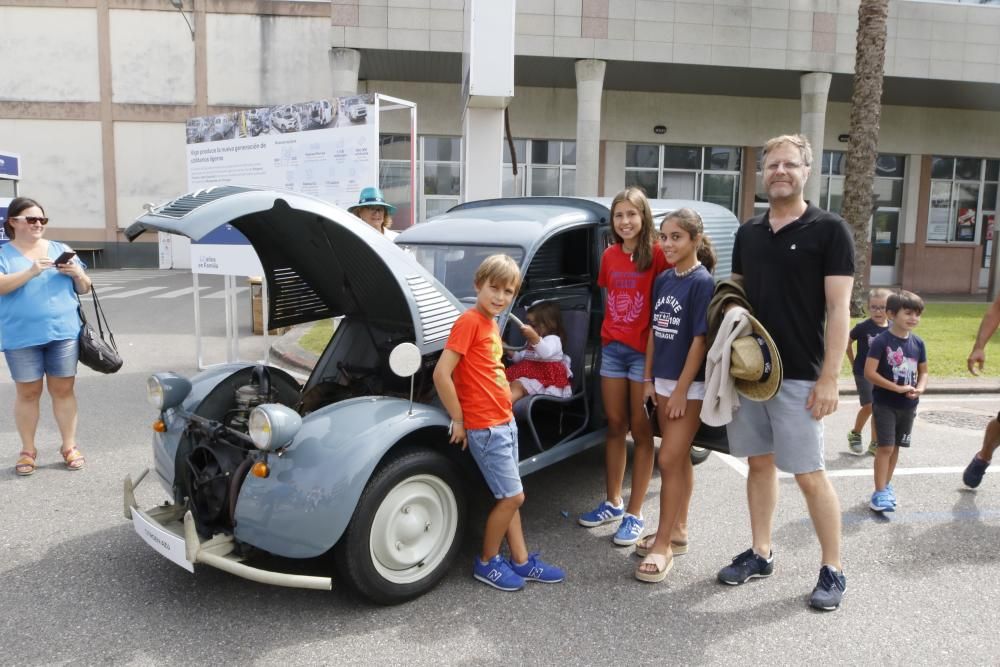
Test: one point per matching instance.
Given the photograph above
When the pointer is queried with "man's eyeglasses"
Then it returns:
(877, 309)
(787, 166)
(31, 219)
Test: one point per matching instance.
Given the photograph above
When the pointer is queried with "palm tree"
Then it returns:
(862, 148)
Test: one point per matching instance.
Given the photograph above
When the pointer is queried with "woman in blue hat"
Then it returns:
(373, 209)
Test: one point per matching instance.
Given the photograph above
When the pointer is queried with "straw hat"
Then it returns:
(755, 363)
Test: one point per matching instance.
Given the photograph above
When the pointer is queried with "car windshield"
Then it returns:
(455, 265)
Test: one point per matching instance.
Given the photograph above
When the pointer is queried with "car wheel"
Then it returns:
(699, 455)
(405, 532)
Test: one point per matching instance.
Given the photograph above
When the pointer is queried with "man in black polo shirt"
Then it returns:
(797, 266)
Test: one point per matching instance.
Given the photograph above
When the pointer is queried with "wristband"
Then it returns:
(647, 379)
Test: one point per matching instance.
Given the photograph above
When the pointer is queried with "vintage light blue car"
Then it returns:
(357, 459)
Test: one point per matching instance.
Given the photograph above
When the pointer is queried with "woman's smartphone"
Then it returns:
(65, 258)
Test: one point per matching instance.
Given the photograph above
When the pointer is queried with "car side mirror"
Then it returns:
(404, 361)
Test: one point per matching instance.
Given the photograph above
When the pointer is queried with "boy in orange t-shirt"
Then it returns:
(472, 385)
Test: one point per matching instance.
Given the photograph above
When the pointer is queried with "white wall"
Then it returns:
(264, 60)
(56, 55)
(61, 167)
(151, 164)
(152, 58)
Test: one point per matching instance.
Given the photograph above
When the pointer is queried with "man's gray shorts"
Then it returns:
(782, 426)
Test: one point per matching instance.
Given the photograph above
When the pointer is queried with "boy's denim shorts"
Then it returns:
(56, 359)
(618, 360)
(494, 450)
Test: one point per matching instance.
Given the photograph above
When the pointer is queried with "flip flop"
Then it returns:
(25, 463)
(643, 545)
(661, 570)
(73, 458)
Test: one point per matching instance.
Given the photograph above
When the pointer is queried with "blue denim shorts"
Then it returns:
(494, 450)
(57, 358)
(618, 360)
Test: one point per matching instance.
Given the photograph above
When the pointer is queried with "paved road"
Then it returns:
(80, 587)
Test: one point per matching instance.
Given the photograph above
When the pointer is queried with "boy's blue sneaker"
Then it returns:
(538, 570)
(748, 565)
(882, 502)
(604, 513)
(892, 494)
(629, 531)
(496, 572)
(974, 472)
(829, 589)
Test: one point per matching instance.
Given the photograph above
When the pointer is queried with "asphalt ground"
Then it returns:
(81, 588)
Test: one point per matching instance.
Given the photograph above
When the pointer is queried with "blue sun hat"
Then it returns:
(372, 196)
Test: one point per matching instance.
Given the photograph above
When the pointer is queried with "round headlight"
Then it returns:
(166, 390)
(260, 429)
(154, 392)
(272, 426)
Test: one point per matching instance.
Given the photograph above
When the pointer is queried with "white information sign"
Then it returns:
(327, 148)
(166, 543)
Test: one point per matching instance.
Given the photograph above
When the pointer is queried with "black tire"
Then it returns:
(699, 454)
(418, 486)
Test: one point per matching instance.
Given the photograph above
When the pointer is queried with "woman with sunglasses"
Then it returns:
(39, 327)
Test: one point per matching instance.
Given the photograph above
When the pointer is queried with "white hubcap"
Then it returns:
(413, 528)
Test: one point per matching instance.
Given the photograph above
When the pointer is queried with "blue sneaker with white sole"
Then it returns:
(629, 531)
(497, 572)
(602, 514)
(535, 569)
(882, 502)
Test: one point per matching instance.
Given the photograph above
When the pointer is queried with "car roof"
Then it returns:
(515, 221)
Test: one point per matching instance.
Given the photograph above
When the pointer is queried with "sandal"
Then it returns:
(643, 546)
(659, 572)
(25, 463)
(73, 458)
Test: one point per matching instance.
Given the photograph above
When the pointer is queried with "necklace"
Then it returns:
(688, 271)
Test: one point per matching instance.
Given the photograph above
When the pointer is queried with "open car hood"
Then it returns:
(319, 261)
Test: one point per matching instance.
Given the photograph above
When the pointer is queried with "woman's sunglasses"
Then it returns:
(31, 219)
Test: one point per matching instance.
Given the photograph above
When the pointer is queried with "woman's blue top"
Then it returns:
(42, 310)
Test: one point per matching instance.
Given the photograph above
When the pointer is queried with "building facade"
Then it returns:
(688, 91)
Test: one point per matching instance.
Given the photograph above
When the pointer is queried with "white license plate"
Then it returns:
(162, 540)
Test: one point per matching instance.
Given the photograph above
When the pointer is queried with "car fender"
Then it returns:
(305, 503)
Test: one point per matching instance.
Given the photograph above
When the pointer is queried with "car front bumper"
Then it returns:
(170, 531)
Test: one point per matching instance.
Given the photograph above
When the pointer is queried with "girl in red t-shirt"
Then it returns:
(628, 268)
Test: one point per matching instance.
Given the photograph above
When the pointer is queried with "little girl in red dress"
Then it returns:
(542, 367)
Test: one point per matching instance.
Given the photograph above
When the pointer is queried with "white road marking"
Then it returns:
(740, 466)
(179, 292)
(136, 292)
(222, 293)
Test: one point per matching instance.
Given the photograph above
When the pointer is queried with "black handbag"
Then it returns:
(95, 352)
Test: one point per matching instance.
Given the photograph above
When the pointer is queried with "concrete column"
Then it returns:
(589, 87)
(815, 87)
(344, 65)
(482, 153)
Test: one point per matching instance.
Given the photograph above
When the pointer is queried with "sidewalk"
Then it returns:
(287, 353)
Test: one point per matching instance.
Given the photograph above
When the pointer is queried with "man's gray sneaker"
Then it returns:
(829, 589)
(746, 566)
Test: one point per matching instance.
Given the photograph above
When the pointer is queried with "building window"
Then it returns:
(545, 168)
(708, 173)
(394, 176)
(963, 193)
(441, 165)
